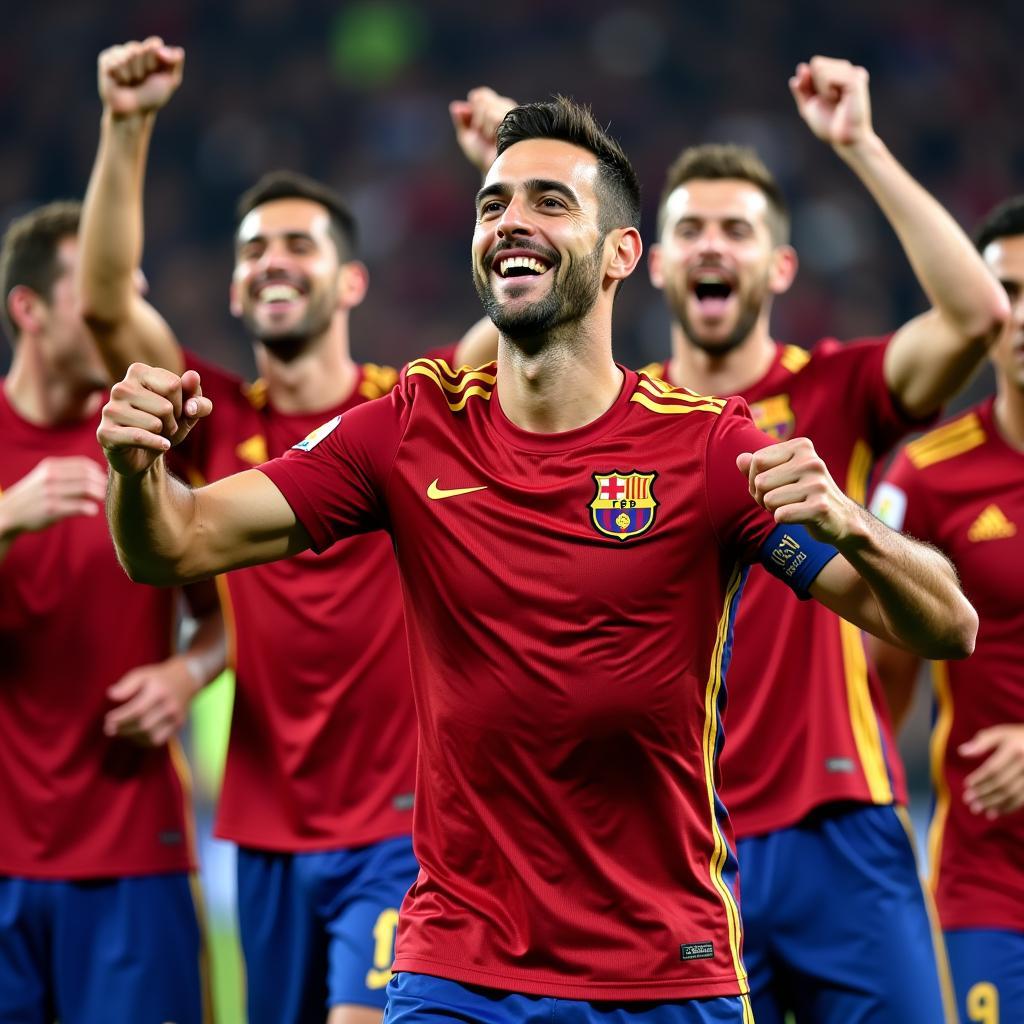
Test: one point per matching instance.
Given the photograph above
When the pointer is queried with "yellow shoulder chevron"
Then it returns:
(654, 394)
(947, 441)
(795, 358)
(457, 386)
(377, 380)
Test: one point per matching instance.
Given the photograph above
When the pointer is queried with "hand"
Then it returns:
(832, 97)
(139, 78)
(476, 120)
(152, 702)
(791, 481)
(148, 412)
(56, 489)
(997, 786)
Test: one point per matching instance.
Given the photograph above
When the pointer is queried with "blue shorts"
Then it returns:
(91, 952)
(988, 974)
(424, 999)
(837, 927)
(318, 929)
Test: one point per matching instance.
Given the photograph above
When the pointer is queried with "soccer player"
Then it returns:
(961, 488)
(571, 539)
(97, 916)
(811, 774)
(318, 785)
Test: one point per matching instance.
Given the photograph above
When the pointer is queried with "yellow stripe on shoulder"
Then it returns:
(794, 358)
(658, 396)
(656, 370)
(377, 380)
(947, 441)
(457, 386)
(256, 393)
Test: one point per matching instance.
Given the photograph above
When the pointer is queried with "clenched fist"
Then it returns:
(792, 482)
(139, 78)
(149, 411)
(832, 97)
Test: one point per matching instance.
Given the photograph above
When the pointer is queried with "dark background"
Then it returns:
(357, 93)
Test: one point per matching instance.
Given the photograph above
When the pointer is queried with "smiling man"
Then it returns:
(575, 860)
(961, 488)
(811, 773)
(318, 785)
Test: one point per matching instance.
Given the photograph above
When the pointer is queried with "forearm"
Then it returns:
(111, 231)
(914, 588)
(947, 266)
(206, 656)
(153, 517)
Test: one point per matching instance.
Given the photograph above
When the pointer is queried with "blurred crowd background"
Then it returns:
(356, 94)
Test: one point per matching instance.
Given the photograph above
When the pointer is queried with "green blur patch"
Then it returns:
(372, 43)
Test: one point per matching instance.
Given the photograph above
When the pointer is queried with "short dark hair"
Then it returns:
(1005, 220)
(721, 161)
(567, 121)
(293, 185)
(28, 253)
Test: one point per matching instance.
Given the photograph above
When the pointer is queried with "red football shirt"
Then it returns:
(569, 599)
(322, 751)
(73, 802)
(961, 488)
(807, 720)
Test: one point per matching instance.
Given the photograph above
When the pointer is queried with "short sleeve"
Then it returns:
(336, 478)
(865, 388)
(898, 500)
(788, 552)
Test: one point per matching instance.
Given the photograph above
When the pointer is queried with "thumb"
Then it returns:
(980, 742)
(195, 405)
(743, 461)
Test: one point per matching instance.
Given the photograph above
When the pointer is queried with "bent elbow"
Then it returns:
(991, 319)
(960, 639)
(148, 573)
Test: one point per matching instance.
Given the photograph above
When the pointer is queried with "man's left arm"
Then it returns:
(886, 583)
(932, 356)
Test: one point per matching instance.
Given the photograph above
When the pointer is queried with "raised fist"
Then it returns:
(139, 78)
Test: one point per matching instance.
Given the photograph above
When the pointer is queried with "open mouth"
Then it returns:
(278, 292)
(711, 286)
(712, 290)
(520, 264)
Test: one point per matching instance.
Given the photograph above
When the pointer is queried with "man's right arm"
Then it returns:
(166, 532)
(135, 81)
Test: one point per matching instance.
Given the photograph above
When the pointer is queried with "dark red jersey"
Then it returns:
(322, 752)
(807, 721)
(961, 488)
(73, 802)
(569, 600)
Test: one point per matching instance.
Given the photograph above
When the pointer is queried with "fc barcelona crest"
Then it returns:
(774, 416)
(624, 505)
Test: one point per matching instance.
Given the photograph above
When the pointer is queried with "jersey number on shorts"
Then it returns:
(983, 1003)
(383, 949)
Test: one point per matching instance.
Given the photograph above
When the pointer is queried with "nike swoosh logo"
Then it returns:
(435, 493)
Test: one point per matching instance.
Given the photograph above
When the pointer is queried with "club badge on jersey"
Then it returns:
(774, 416)
(624, 505)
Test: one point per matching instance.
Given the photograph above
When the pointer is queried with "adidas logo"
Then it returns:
(253, 450)
(991, 525)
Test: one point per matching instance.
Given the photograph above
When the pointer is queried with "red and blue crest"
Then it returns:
(774, 416)
(624, 505)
